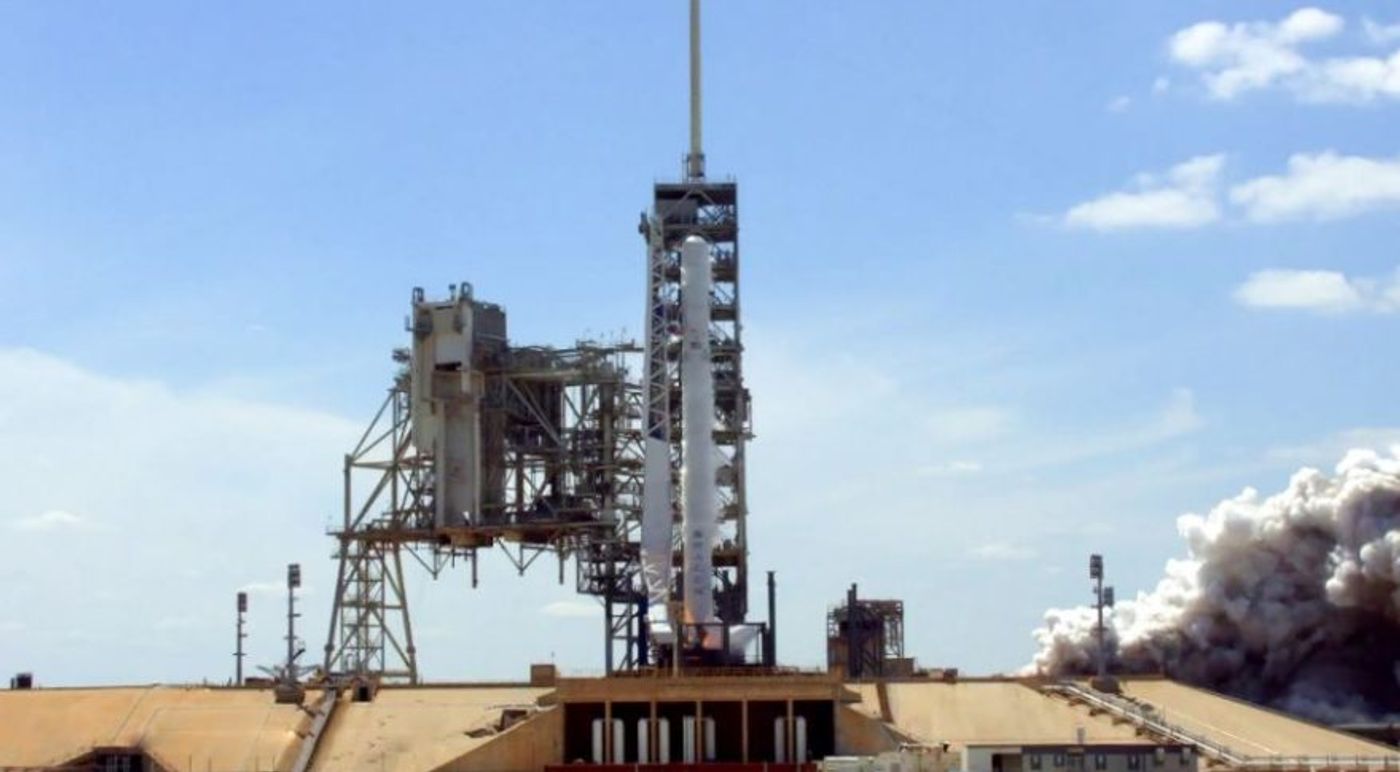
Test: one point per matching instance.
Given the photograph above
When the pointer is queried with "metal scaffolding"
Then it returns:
(865, 638)
(561, 464)
(710, 210)
(542, 449)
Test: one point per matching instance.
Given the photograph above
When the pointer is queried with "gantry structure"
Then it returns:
(700, 206)
(559, 474)
(534, 451)
(710, 209)
(865, 638)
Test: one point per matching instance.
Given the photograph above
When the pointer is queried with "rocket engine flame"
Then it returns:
(1291, 601)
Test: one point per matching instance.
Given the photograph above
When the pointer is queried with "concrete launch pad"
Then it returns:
(980, 725)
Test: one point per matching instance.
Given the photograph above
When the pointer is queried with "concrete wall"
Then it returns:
(980, 759)
(528, 746)
(1089, 759)
(860, 735)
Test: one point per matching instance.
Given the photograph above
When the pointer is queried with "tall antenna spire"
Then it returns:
(695, 161)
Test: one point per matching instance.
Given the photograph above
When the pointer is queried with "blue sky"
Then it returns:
(1022, 281)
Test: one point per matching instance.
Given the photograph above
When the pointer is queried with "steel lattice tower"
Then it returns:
(710, 209)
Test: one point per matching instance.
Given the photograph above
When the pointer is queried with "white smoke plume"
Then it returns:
(1291, 601)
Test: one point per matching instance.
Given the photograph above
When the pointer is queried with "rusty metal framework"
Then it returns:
(865, 638)
(561, 459)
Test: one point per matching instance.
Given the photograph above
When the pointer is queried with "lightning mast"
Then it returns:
(695, 162)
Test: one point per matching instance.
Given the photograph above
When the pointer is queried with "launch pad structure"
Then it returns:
(624, 463)
(482, 446)
(561, 471)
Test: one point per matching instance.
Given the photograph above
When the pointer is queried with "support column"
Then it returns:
(789, 738)
(607, 732)
(744, 731)
(654, 735)
(607, 633)
(699, 735)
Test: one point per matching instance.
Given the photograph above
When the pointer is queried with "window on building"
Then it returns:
(1185, 757)
(1134, 762)
(1034, 760)
(1059, 760)
(1076, 762)
(1100, 761)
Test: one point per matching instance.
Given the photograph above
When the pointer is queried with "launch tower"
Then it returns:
(696, 212)
(483, 445)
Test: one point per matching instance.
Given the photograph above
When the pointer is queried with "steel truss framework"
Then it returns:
(562, 458)
(863, 635)
(711, 210)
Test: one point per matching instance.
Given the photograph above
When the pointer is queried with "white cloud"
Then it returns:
(1119, 104)
(1178, 417)
(1321, 186)
(1175, 419)
(951, 469)
(178, 622)
(969, 424)
(1001, 550)
(268, 589)
(1185, 197)
(1161, 85)
(50, 520)
(197, 493)
(1233, 59)
(1328, 291)
(1315, 186)
(572, 609)
(1380, 34)
(1327, 450)
(1318, 291)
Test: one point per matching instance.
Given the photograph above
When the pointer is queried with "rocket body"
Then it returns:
(700, 514)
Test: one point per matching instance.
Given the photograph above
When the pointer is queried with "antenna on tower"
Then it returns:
(695, 161)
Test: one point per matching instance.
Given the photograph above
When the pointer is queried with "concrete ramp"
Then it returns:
(1246, 729)
(178, 727)
(534, 743)
(421, 728)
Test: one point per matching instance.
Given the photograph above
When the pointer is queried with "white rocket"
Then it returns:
(700, 516)
(699, 487)
(699, 510)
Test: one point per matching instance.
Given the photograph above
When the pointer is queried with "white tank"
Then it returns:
(700, 515)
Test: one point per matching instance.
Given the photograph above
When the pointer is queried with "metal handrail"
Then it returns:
(1146, 719)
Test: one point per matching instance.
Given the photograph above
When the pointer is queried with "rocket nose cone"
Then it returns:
(696, 240)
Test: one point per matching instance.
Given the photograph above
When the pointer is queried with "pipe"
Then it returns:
(853, 640)
(700, 516)
(770, 646)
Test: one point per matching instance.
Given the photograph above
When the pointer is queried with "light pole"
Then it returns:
(289, 689)
(238, 645)
(1103, 598)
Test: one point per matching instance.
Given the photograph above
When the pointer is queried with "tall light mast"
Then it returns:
(1103, 599)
